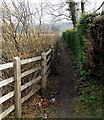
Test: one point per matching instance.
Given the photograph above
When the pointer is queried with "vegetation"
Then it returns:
(21, 37)
(24, 35)
(77, 40)
(72, 10)
(85, 41)
(89, 101)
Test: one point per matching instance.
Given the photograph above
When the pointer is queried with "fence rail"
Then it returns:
(45, 58)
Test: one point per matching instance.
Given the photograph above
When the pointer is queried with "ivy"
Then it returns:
(77, 39)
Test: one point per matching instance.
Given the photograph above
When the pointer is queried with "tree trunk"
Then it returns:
(82, 6)
(72, 10)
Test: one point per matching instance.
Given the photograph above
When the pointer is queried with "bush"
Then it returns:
(77, 40)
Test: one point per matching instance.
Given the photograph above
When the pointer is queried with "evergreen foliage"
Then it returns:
(77, 39)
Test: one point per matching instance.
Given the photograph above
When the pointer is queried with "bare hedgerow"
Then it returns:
(20, 38)
(19, 33)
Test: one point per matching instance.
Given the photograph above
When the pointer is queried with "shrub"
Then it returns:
(77, 40)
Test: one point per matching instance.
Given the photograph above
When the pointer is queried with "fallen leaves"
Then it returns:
(39, 107)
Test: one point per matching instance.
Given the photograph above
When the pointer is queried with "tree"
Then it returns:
(102, 5)
(40, 14)
(82, 6)
(68, 10)
(72, 11)
(63, 10)
(17, 27)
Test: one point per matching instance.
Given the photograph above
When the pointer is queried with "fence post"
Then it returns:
(0, 93)
(17, 78)
(1, 73)
(44, 65)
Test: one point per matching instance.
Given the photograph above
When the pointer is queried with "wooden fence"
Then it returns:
(45, 58)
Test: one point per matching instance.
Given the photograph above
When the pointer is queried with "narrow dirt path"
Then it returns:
(66, 83)
(60, 86)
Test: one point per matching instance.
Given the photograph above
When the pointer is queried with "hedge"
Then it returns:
(77, 39)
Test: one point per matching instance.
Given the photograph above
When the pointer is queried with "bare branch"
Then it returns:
(99, 7)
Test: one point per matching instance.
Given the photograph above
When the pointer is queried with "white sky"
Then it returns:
(91, 6)
(92, 2)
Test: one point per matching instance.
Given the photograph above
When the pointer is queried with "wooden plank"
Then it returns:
(32, 92)
(17, 79)
(1, 106)
(30, 83)
(49, 58)
(30, 71)
(49, 51)
(6, 97)
(48, 66)
(44, 65)
(5, 66)
(6, 81)
(48, 73)
(30, 60)
(6, 112)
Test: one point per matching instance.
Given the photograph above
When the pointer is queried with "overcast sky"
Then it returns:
(91, 6)
(93, 3)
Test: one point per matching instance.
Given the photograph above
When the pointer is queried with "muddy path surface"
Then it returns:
(67, 76)
(60, 87)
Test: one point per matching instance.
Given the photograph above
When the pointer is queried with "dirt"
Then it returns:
(67, 76)
(60, 87)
